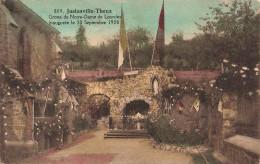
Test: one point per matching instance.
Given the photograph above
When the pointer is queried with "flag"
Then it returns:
(196, 104)
(57, 71)
(158, 51)
(181, 106)
(123, 42)
(220, 105)
(63, 75)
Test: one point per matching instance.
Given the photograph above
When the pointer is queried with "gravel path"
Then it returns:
(94, 149)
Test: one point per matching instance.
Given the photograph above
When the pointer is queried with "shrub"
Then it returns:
(198, 159)
(80, 124)
(163, 132)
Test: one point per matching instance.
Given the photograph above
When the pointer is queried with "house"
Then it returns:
(30, 83)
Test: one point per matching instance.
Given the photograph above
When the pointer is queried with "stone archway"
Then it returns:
(131, 111)
(136, 106)
(134, 97)
(99, 109)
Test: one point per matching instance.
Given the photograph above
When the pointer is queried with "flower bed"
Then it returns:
(178, 149)
(163, 132)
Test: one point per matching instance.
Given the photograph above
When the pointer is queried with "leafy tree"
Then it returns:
(68, 48)
(81, 36)
(177, 52)
(104, 55)
(202, 54)
(230, 32)
(234, 32)
(177, 37)
(141, 47)
(81, 48)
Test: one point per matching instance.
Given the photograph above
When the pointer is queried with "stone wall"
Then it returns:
(229, 114)
(18, 144)
(123, 90)
(24, 35)
(3, 35)
(40, 44)
(16, 121)
(242, 150)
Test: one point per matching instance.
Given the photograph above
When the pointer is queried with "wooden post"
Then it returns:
(210, 121)
(130, 58)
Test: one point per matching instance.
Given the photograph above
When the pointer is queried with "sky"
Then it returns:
(180, 15)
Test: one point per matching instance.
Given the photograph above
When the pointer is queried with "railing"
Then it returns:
(130, 123)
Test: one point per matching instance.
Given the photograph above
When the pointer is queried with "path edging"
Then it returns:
(178, 149)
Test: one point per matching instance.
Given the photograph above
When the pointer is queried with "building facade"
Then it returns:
(28, 57)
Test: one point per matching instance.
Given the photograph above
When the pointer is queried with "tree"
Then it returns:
(178, 52)
(81, 36)
(68, 48)
(234, 32)
(177, 37)
(202, 54)
(81, 44)
(141, 48)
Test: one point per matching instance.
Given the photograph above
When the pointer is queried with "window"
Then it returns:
(50, 110)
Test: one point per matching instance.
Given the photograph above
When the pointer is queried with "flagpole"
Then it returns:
(153, 53)
(158, 50)
(130, 58)
(123, 40)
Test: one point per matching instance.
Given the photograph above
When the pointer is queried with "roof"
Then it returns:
(10, 19)
(196, 76)
(181, 76)
(89, 75)
(21, 6)
(58, 49)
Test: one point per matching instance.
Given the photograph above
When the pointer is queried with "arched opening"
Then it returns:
(134, 113)
(136, 106)
(98, 108)
(24, 55)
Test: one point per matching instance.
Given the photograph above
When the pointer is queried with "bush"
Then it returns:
(198, 159)
(163, 132)
(80, 124)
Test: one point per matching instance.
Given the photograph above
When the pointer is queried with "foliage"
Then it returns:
(97, 107)
(56, 127)
(75, 48)
(140, 44)
(231, 80)
(105, 54)
(81, 36)
(163, 132)
(196, 53)
(176, 52)
(205, 93)
(81, 46)
(80, 123)
(13, 83)
(229, 32)
(233, 31)
(74, 88)
(198, 159)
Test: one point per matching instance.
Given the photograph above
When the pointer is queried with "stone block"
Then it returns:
(21, 128)
(16, 150)
(229, 114)
(226, 123)
(227, 132)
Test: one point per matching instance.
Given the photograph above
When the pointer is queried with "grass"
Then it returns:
(91, 66)
(198, 159)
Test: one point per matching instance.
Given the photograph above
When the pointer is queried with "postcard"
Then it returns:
(129, 81)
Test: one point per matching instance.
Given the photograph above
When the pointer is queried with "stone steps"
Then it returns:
(126, 134)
